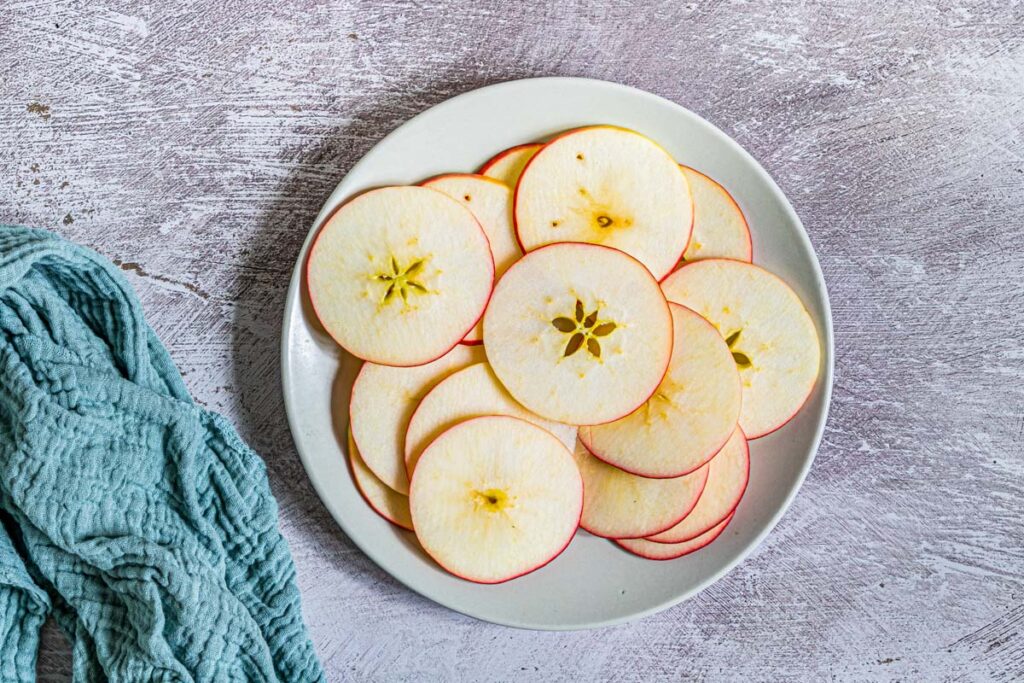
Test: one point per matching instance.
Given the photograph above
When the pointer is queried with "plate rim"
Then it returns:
(294, 298)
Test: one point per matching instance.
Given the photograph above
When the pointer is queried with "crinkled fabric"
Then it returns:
(137, 518)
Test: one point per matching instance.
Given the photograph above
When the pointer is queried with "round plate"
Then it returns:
(593, 583)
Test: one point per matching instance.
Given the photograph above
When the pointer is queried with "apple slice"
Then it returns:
(719, 227)
(690, 416)
(770, 333)
(670, 551)
(386, 502)
(494, 498)
(384, 399)
(506, 166)
(471, 392)
(399, 275)
(578, 333)
(491, 202)
(728, 473)
(608, 186)
(617, 504)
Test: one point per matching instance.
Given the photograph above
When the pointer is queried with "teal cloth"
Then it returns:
(137, 518)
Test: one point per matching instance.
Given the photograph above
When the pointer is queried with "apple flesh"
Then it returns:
(491, 202)
(578, 333)
(728, 473)
(386, 502)
(689, 417)
(507, 166)
(609, 186)
(769, 332)
(399, 275)
(494, 498)
(384, 400)
(720, 229)
(670, 551)
(471, 392)
(617, 504)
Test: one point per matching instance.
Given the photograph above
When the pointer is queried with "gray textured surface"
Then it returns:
(196, 144)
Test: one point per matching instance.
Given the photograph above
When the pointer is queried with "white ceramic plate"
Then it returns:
(593, 583)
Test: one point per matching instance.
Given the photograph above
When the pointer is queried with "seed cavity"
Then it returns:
(741, 359)
(564, 324)
(575, 342)
(493, 500)
(402, 281)
(584, 329)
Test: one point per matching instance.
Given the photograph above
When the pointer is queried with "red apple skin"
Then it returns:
(709, 458)
(681, 517)
(515, 193)
(809, 391)
(546, 562)
(504, 153)
(367, 498)
(528, 571)
(671, 340)
(312, 299)
(515, 196)
(405, 458)
(732, 508)
(638, 474)
(352, 393)
(477, 342)
(750, 239)
(688, 551)
(475, 176)
(693, 222)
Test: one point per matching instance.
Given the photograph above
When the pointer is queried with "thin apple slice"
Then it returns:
(506, 166)
(494, 498)
(491, 202)
(385, 501)
(399, 275)
(771, 335)
(609, 186)
(471, 392)
(728, 474)
(578, 333)
(670, 551)
(383, 401)
(690, 416)
(617, 504)
(720, 229)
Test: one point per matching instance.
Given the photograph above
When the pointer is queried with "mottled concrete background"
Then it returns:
(194, 143)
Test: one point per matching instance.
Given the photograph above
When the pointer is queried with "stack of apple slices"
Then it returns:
(573, 337)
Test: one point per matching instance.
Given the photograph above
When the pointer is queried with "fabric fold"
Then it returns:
(148, 521)
(23, 608)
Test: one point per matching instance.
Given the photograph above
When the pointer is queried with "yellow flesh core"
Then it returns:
(493, 500)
